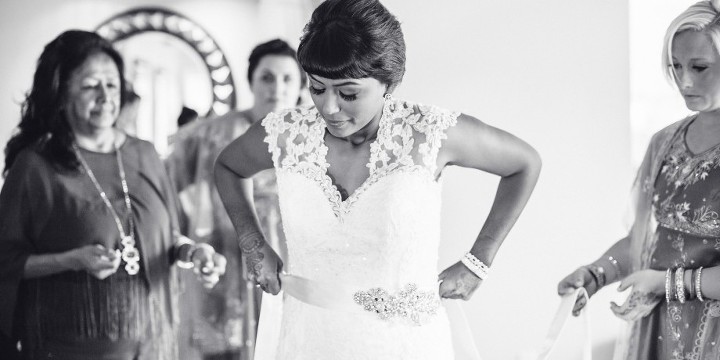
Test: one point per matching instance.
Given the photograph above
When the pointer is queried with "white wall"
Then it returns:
(655, 103)
(554, 73)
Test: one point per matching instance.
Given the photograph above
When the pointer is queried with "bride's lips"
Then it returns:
(336, 123)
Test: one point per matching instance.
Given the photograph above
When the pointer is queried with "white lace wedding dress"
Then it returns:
(377, 251)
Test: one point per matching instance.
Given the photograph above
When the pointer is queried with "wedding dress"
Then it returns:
(369, 262)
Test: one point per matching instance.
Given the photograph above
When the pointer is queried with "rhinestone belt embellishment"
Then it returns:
(408, 303)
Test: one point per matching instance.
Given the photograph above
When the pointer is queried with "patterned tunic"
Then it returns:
(686, 202)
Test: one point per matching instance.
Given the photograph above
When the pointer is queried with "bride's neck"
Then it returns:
(366, 133)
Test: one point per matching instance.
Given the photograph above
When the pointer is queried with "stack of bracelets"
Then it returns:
(598, 272)
(476, 266)
(675, 285)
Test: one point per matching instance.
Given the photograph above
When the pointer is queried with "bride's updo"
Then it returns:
(702, 16)
(353, 39)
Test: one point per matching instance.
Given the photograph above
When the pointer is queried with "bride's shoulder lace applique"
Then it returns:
(409, 139)
(294, 137)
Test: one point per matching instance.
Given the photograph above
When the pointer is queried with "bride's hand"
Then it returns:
(263, 267)
(458, 282)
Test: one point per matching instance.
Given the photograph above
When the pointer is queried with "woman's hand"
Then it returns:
(581, 277)
(97, 260)
(207, 264)
(458, 282)
(264, 266)
(648, 289)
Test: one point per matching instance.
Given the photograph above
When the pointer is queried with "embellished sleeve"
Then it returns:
(25, 188)
(434, 123)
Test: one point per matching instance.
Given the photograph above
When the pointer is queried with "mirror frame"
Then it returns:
(148, 19)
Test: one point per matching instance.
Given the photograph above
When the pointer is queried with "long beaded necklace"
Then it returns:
(129, 253)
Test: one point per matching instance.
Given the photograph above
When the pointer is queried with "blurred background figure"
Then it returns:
(221, 323)
(127, 120)
(88, 237)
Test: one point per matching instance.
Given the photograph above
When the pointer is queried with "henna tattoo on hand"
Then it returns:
(254, 262)
(250, 246)
(251, 243)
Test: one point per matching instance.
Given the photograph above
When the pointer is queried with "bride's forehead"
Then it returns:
(367, 81)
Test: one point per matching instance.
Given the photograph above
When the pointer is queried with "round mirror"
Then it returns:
(173, 66)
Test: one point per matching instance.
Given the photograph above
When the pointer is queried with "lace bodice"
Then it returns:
(386, 233)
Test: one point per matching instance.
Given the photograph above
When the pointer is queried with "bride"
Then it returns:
(359, 182)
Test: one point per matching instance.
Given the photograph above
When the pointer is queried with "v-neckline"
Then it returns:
(325, 164)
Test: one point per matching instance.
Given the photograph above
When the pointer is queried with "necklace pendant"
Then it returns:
(132, 268)
(127, 241)
(130, 255)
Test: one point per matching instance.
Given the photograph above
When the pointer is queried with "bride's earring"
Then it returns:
(388, 96)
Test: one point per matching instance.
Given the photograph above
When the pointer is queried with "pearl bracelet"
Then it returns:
(476, 266)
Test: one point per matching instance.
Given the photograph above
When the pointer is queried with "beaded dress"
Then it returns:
(685, 204)
(379, 246)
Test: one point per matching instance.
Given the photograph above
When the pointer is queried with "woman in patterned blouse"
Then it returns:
(671, 256)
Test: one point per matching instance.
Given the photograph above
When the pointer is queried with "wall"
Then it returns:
(655, 103)
(554, 73)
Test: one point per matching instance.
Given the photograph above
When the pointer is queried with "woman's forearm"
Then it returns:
(709, 280)
(616, 261)
(236, 194)
(512, 195)
(47, 264)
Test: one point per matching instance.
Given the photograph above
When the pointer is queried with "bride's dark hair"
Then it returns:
(353, 39)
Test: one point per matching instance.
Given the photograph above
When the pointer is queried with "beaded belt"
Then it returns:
(409, 304)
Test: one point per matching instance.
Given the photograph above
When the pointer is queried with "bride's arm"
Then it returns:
(474, 144)
(240, 160)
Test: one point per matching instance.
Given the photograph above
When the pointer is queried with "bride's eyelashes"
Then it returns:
(346, 97)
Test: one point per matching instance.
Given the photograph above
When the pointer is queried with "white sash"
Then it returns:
(568, 336)
(333, 297)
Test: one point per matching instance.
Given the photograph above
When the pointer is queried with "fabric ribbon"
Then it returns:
(334, 297)
(560, 343)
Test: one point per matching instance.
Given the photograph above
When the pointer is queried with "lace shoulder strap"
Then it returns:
(433, 122)
(293, 136)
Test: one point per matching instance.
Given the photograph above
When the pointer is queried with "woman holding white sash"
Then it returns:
(671, 256)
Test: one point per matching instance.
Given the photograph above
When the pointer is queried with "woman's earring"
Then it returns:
(388, 96)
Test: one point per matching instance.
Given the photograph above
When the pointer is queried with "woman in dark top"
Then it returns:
(88, 219)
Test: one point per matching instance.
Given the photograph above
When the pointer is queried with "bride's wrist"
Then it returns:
(477, 267)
